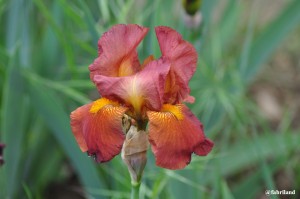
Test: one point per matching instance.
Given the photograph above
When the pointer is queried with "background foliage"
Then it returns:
(46, 46)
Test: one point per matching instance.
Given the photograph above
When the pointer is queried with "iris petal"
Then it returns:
(97, 128)
(183, 58)
(144, 89)
(117, 51)
(175, 133)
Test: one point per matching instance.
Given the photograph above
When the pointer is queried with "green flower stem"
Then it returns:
(135, 190)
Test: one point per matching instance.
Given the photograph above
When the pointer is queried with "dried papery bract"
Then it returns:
(134, 153)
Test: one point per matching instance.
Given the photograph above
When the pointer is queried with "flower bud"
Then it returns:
(134, 152)
(191, 6)
(192, 15)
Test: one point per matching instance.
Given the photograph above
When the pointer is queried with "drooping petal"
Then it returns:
(175, 133)
(144, 89)
(97, 128)
(204, 148)
(117, 51)
(183, 57)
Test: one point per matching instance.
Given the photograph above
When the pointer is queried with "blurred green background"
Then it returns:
(246, 86)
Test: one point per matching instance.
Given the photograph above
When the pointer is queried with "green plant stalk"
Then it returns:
(135, 190)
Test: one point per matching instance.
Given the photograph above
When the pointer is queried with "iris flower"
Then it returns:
(152, 94)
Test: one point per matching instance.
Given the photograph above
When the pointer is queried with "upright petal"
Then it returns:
(117, 51)
(183, 57)
(97, 128)
(175, 133)
(144, 89)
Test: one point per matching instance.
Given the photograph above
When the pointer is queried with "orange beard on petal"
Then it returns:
(97, 128)
(175, 133)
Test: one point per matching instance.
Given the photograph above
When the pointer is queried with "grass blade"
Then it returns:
(50, 108)
(271, 37)
(13, 130)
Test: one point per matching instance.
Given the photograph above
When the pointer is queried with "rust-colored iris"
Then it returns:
(151, 94)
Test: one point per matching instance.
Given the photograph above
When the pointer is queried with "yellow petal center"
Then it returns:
(174, 109)
(100, 103)
(135, 97)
